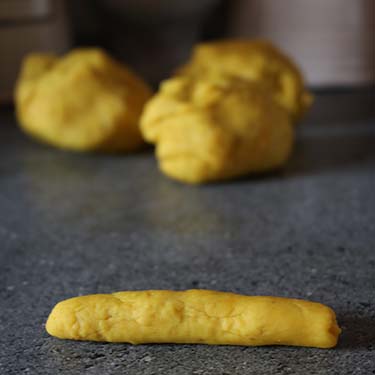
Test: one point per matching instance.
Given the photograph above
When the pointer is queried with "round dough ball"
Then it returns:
(84, 101)
(256, 60)
(208, 130)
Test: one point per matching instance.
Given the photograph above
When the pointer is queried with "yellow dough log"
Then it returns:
(194, 316)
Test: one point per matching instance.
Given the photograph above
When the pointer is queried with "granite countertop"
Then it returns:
(76, 224)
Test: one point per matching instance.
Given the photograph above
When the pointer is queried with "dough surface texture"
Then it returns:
(194, 316)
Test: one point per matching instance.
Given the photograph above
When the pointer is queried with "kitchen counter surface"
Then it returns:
(75, 224)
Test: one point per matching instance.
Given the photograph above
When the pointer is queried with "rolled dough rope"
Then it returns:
(194, 316)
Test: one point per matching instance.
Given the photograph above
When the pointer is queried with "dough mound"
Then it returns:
(256, 60)
(84, 101)
(213, 129)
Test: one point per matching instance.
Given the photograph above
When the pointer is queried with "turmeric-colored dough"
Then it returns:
(213, 129)
(84, 101)
(256, 60)
(194, 316)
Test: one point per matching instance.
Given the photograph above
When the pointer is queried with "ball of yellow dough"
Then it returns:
(84, 101)
(208, 130)
(256, 60)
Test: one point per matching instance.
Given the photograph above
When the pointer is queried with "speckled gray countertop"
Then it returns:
(75, 224)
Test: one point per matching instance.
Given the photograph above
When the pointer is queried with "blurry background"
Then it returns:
(333, 41)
